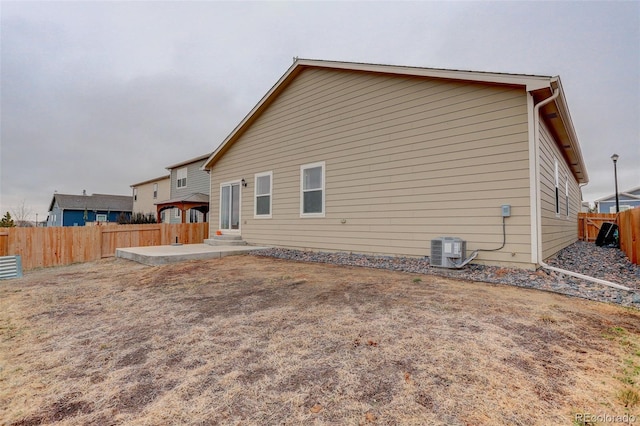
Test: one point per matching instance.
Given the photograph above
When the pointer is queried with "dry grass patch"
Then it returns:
(246, 340)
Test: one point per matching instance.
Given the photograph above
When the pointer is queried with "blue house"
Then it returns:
(78, 210)
(626, 199)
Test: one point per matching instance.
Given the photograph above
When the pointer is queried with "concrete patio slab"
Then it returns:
(162, 255)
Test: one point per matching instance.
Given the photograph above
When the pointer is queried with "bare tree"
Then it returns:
(21, 214)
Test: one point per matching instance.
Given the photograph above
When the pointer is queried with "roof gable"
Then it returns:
(539, 86)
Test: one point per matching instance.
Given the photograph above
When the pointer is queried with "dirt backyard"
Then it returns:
(254, 341)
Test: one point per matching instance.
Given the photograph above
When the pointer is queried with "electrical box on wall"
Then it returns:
(506, 210)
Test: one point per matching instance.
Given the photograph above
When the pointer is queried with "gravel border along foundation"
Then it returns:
(586, 258)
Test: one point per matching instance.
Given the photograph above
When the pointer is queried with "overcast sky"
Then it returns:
(102, 95)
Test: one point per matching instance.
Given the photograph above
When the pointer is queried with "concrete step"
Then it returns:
(225, 240)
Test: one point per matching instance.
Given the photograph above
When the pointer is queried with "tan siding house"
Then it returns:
(382, 159)
(149, 192)
(556, 180)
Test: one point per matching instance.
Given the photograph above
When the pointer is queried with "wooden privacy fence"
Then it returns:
(41, 247)
(629, 223)
(589, 225)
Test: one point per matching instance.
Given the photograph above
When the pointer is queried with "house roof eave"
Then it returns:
(264, 102)
(531, 83)
(557, 117)
(573, 137)
(190, 161)
(158, 179)
(51, 204)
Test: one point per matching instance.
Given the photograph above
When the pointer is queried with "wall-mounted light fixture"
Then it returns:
(244, 182)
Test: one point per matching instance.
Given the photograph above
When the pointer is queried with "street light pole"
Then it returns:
(615, 157)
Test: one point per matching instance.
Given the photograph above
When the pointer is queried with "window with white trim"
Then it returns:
(557, 184)
(262, 194)
(177, 213)
(181, 177)
(135, 194)
(101, 218)
(155, 191)
(566, 195)
(312, 190)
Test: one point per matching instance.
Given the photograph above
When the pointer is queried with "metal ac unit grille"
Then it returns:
(446, 252)
(436, 252)
(10, 267)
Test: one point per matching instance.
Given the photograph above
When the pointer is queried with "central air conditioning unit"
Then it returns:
(448, 252)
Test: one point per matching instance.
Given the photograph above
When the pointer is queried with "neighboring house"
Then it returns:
(626, 200)
(78, 210)
(189, 193)
(382, 159)
(149, 192)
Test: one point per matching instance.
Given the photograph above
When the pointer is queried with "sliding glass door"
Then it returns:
(230, 206)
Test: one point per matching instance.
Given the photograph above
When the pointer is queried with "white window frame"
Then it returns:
(256, 195)
(177, 213)
(566, 194)
(181, 175)
(101, 217)
(231, 231)
(322, 188)
(557, 186)
(155, 191)
(135, 194)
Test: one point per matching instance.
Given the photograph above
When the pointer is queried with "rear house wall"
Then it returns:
(407, 159)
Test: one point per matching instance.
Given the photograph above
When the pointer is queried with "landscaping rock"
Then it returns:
(609, 264)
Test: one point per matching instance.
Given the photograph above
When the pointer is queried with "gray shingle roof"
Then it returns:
(121, 203)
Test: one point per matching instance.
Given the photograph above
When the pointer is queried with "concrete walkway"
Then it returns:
(162, 255)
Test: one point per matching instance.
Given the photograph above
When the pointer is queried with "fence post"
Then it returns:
(4, 243)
